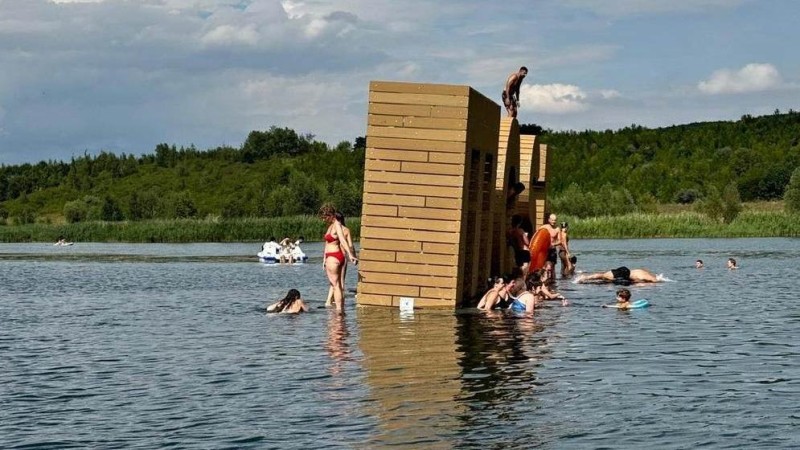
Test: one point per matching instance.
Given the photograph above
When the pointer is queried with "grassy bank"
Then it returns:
(178, 231)
(680, 224)
(754, 223)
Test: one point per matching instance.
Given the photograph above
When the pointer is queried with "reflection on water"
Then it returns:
(337, 345)
(412, 370)
(148, 346)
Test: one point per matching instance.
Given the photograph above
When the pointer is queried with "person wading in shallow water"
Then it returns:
(333, 257)
(347, 241)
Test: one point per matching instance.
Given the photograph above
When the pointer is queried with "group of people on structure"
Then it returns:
(339, 249)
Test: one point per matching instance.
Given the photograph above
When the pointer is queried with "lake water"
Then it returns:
(150, 346)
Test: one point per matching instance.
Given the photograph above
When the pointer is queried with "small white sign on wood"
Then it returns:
(406, 304)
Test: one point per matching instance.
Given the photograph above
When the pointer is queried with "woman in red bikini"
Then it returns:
(333, 258)
(343, 273)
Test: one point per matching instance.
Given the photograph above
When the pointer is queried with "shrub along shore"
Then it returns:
(636, 225)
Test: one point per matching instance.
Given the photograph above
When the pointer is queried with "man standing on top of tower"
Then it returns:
(511, 91)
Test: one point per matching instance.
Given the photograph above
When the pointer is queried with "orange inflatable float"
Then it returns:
(539, 246)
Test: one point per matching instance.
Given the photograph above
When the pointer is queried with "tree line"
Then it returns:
(680, 164)
(275, 173)
(278, 173)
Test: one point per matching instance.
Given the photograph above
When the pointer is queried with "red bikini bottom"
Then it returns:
(337, 254)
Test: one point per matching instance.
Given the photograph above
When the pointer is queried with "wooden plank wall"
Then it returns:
(508, 161)
(414, 193)
(539, 193)
(528, 174)
(482, 140)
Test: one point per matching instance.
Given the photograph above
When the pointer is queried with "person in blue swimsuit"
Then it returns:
(526, 301)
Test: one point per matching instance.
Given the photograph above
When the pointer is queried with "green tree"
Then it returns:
(75, 211)
(308, 194)
(347, 198)
(791, 198)
(26, 216)
(143, 205)
(281, 201)
(111, 211)
(711, 205)
(183, 205)
(731, 203)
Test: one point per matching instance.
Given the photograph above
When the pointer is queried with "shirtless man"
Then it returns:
(511, 91)
(556, 248)
(519, 242)
(620, 275)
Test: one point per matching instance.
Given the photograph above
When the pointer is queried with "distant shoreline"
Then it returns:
(630, 226)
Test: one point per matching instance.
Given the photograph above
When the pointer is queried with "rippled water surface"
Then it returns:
(149, 346)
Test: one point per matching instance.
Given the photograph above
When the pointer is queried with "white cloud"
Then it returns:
(230, 34)
(609, 94)
(750, 78)
(553, 98)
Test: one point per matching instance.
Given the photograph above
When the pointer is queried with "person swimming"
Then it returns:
(621, 275)
(731, 264)
(623, 300)
(699, 264)
(292, 303)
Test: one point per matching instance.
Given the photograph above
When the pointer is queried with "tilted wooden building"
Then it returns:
(435, 184)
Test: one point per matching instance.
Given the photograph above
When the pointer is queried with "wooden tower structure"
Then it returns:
(429, 178)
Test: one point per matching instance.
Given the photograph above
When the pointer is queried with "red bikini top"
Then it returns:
(329, 238)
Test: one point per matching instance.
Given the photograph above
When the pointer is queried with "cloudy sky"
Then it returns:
(124, 75)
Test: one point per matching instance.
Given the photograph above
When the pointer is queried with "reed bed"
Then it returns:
(684, 224)
(176, 230)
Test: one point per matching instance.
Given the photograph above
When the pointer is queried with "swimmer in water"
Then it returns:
(290, 304)
(731, 264)
(623, 300)
(526, 301)
(620, 275)
(699, 264)
(497, 296)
